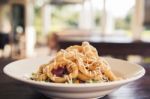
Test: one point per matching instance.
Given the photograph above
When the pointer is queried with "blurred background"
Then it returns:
(117, 28)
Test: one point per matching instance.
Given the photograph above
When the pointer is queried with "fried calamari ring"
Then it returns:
(86, 71)
(107, 70)
(40, 75)
(89, 50)
(83, 77)
(93, 71)
(77, 47)
(71, 68)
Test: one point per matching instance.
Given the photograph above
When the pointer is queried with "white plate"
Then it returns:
(22, 68)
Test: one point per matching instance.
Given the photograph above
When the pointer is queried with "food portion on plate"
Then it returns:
(76, 64)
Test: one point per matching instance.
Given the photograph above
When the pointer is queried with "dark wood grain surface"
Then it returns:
(11, 89)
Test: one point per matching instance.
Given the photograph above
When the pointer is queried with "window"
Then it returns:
(97, 7)
(145, 35)
(64, 16)
(119, 17)
(107, 17)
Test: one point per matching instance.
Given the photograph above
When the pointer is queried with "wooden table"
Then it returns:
(11, 89)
